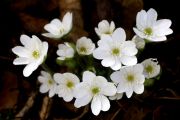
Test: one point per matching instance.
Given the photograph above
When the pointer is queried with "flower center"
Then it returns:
(36, 54)
(83, 50)
(130, 78)
(149, 69)
(61, 30)
(95, 90)
(115, 51)
(70, 84)
(148, 31)
(50, 82)
(108, 32)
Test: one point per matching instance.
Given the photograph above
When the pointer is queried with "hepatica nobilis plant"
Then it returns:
(111, 68)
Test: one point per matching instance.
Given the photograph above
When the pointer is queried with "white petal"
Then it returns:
(96, 105)
(129, 48)
(52, 29)
(104, 41)
(61, 58)
(21, 61)
(26, 41)
(158, 39)
(105, 104)
(141, 78)
(138, 88)
(117, 96)
(50, 35)
(72, 77)
(61, 49)
(119, 35)
(100, 53)
(97, 31)
(59, 78)
(100, 81)
(37, 42)
(122, 87)
(129, 91)
(42, 79)
(138, 68)
(46, 74)
(68, 96)
(109, 89)
(112, 26)
(67, 21)
(141, 19)
(140, 43)
(79, 102)
(52, 91)
(163, 23)
(151, 17)
(129, 60)
(139, 33)
(117, 65)
(109, 61)
(61, 90)
(82, 89)
(69, 52)
(162, 32)
(56, 22)
(44, 48)
(116, 76)
(88, 76)
(21, 51)
(44, 88)
(103, 26)
(29, 69)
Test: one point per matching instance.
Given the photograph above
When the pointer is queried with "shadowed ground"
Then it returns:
(19, 96)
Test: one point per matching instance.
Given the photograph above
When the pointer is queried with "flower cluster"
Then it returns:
(128, 75)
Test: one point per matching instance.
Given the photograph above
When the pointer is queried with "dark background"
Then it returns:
(158, 102)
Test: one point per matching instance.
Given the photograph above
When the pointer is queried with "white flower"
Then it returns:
(140, 43)
(32, 53)
(47, 84)
(105, 28)
(129, 79)
(85, 46)
(151, 68)
(117, 96)
(58, 29)
(66, 84)
(148, 27)
(114, 50)
(65, 51)
(94, 89)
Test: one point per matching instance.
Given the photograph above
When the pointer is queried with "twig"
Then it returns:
(26, 107)
(6, 58)
(116, 113)
(47, 102)
(171, 91)
(168, 98)
(122, 106)
(86, 108)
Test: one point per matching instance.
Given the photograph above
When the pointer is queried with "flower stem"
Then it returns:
(46, 68)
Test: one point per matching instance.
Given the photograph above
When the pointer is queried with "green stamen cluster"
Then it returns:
(148, 31)
(149, 69)
(130, 78)
(115, 51)
(70, 84)
(36, 54)
(95, 90)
